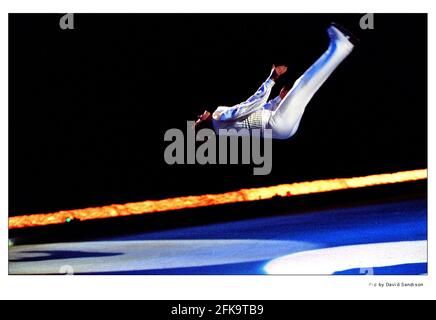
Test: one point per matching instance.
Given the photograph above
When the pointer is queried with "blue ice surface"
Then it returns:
(245, 268)
(364, 224)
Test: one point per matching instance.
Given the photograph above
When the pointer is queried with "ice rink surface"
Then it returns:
(387, 238)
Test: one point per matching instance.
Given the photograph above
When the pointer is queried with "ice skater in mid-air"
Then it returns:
(282, 115)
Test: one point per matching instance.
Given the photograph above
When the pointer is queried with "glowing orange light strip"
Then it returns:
(150, 206)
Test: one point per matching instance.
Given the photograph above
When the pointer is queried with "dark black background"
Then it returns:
(89, 107)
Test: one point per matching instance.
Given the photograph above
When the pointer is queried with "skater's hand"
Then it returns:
(283, 92)
(278, 71)
(202, 117)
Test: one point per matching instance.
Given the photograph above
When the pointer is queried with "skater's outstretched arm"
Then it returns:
(252, 104)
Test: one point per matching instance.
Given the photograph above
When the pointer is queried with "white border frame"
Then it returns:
(204, 287)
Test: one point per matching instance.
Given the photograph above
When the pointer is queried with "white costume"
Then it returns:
(283, 116)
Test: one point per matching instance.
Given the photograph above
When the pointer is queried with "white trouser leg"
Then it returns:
(284, 121)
